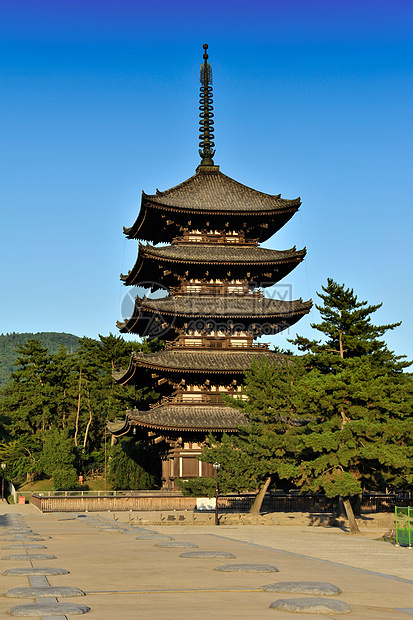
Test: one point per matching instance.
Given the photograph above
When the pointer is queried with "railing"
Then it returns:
(206, 344)
(78, 503)
(195, 398)
(81, 501)
(404, 525)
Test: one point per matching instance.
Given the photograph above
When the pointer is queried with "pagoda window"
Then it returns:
(189, 466)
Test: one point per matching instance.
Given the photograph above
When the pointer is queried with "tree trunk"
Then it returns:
(78, 409)
(354, 529)
(90, 415)
(256, 506)
(356, 503)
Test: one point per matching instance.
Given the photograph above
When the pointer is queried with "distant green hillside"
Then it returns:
(9, 342)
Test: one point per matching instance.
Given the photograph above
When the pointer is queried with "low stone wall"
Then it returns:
(117, 503)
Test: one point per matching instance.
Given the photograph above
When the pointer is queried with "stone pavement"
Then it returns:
(132, 570)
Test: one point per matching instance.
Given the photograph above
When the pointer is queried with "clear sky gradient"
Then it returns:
(100, 101)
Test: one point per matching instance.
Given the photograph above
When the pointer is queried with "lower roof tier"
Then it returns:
(165, 264)
(184, 362)
(180, 418)
(162, 318)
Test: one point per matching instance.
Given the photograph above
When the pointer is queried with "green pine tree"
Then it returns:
(359, 404)
(250, 459)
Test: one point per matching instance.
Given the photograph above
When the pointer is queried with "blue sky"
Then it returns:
(100, 101)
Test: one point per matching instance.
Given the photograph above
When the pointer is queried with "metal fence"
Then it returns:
(404, 525)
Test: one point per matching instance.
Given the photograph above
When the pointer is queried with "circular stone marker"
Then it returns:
(154, 537)
(36, 571)
(311, 606)
(176, 544)
(304, 587)
(22, 547)
(207, 554)
(49, 609)
(30, 556)
(247, 568)
(46, 592)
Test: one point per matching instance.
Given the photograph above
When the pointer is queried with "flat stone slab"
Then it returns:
(176, 544)
(49, 609)
(207, 554)
(21, 537)
(311, 606)
(304, 587)
(154, 537)
(247, 568)
(20, 533)
(22, 547)
(30, 556)
(45, 592)
(36, 571)
(39, 581)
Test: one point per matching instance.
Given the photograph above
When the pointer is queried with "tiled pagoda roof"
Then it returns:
(212, 255)
(223, 306)
(209, 193)
(162, 317)
(195, 361)
(214, 191)
(200, 418)
(225, 253)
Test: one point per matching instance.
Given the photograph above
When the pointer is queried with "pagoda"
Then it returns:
(203, 249)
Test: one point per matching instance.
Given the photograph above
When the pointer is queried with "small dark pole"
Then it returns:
(3, 467)
(105, 458)
(216, 466)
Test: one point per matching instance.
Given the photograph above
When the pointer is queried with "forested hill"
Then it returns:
(9, 342)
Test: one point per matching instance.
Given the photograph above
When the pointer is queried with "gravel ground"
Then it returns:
(331, 544)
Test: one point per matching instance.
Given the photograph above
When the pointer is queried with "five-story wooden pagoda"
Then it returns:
(214, 271)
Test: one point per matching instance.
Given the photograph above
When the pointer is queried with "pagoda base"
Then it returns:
(182, 463)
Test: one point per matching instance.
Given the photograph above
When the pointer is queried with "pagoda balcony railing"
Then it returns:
(194, 398)
(217, 344)
(227, 239)
(202, 289)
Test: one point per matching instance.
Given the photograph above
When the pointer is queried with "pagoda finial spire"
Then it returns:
(206, 123)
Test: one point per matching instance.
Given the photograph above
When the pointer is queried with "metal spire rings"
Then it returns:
(206, 123)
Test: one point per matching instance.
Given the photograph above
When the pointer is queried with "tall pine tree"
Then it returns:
(359, 401)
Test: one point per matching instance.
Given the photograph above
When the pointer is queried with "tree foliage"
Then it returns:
(66, 395)
(134, 465)
(52, 341)
(337, 419)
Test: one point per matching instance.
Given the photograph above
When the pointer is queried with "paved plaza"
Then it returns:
(129, 569)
